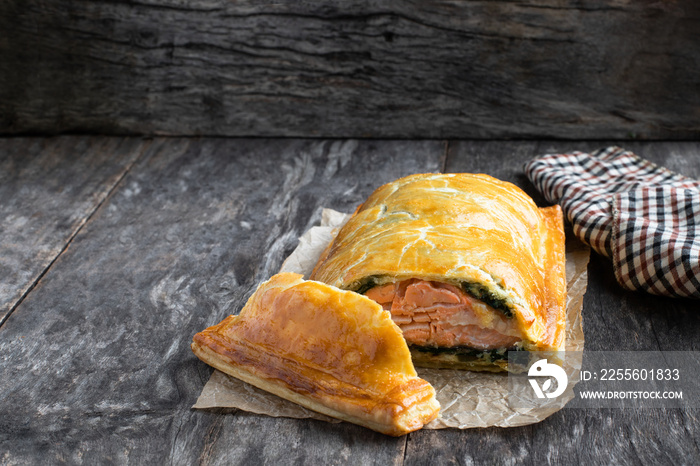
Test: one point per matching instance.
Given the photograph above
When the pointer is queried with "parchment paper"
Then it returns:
(467, 399)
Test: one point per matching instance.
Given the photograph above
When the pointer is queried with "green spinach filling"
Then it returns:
(484, 295)
(466, 354)
(366, 285)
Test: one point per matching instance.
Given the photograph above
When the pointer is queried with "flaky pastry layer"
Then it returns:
(470, 230)
(333, 351)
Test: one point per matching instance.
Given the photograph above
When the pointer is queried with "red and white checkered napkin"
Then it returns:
(643, 216)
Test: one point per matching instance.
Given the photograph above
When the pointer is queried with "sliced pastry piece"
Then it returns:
(467, 265)
(333, 351)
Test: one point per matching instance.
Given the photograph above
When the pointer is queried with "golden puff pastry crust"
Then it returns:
(333, 351)
(471, 231)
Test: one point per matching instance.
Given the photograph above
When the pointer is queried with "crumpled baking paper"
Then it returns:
(467, 399)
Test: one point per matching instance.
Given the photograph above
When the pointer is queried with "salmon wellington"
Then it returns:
(468, 266)
(330, 350)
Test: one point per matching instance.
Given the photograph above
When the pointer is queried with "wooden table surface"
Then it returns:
(115, 251)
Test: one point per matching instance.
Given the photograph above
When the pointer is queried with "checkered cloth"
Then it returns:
(643, 216)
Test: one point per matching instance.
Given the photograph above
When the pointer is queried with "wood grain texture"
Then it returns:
(572, 436)
(48, 189)
(361, 68)
(96, 365)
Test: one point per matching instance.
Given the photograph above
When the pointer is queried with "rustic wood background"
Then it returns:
(114, 251)
(352, 68)
(130, 246)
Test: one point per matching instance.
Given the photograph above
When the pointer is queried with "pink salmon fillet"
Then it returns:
(438, 314)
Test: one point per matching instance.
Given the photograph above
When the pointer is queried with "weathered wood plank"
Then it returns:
(680, 156)
(96, 364)
(613, 319)
(361, 68)
(48, 189)
(572, 436)
(250, 439)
